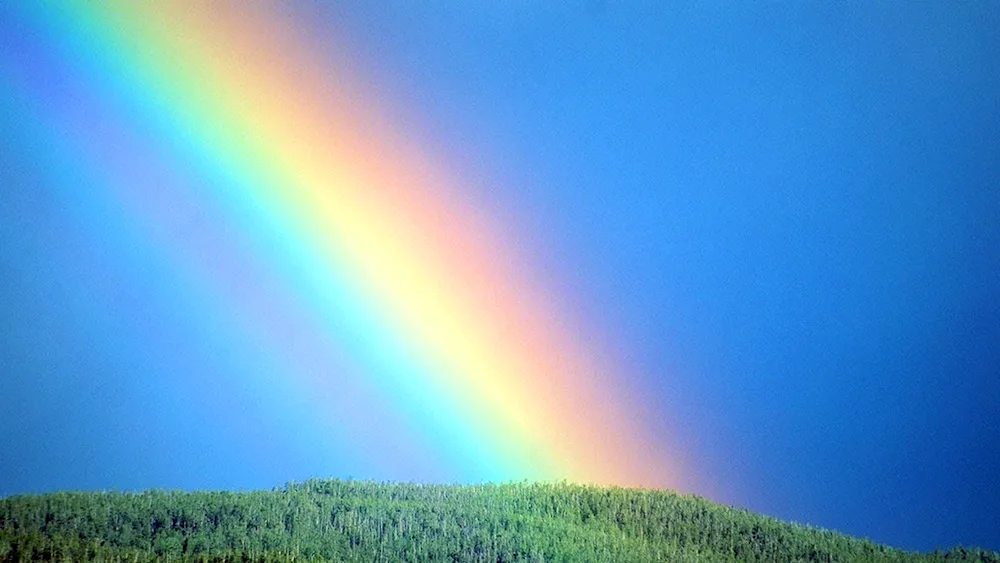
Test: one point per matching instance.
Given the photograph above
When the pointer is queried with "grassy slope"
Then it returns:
(363, 521)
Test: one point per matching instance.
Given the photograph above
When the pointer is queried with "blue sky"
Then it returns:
(787, 213)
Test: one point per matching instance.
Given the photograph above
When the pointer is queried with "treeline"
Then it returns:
(333, 520)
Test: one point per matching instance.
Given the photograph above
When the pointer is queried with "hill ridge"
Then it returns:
(354, 520)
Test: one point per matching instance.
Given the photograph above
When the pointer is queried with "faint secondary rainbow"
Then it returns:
(358, 236)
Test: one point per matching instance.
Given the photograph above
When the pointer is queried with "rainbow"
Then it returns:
(300, 226)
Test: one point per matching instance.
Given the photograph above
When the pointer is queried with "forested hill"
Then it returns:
(332, 520)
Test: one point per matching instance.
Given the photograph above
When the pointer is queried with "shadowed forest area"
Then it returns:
(334, 520)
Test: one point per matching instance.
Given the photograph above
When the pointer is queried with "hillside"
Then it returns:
(332, 520)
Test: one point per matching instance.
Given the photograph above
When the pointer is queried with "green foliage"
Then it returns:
(332, 520)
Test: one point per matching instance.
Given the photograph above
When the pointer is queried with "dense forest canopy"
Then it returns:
(334, 520)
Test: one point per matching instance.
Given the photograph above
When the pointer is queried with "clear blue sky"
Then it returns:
(787, 212)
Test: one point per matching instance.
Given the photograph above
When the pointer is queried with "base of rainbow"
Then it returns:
(296, 224)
